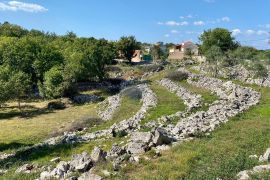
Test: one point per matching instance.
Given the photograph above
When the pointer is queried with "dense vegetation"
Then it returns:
(35, 62)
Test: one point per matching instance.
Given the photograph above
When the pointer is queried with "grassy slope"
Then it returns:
(19, 131)
(43, 156)
(128, 108)
(223, 154)
(168, 103)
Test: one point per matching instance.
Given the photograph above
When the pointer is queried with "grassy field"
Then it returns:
(20, 131)
(168, 104)
(128, 108)
(223, 154)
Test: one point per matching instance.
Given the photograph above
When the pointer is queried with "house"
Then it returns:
(137, 56)
(178, 52)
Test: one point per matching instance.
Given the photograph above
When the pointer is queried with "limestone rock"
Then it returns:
(81, 162)
(266, 156)
(98, 155)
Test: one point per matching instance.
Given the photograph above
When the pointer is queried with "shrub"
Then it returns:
(132, 93)
(151, 68)
(177, 76)
(56, 105)
(260, 70)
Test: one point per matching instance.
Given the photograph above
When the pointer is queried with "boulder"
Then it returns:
(136, 148)
(141, 137)
(243, 175)
(161, 137)
(81, 162)
(89, 176)
(63, 166)
(266, 156)
(115, 152)
(98, 155)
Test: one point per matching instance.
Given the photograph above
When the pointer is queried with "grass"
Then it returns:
(223, 154)
(207, 96)
(43, 156)
(128, 108)
(168, 104)
(21, 131)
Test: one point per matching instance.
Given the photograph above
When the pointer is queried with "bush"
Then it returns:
(177, 76)
(152, 68)
(132, 93)
(260, 70)
(57, 105)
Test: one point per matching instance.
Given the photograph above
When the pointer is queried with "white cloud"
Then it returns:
(265, 26)
(261, 32)
(199, 23)
(167, 35)
(250, 32)
(226, 19)
(174, 23)
(236, 32)
(174, 32)
(21, 6)
(187, 17)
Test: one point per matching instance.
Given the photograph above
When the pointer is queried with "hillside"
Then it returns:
(175, 123)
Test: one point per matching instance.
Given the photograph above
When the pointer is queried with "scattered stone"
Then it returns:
(89, 176)
(2, 172)
(115, 152)
(266, 156)
(161, 137)
(27, 169)
(55, 160)
(98, 155)
(81, 162)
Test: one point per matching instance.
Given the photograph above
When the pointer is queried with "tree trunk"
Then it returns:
(19, 104)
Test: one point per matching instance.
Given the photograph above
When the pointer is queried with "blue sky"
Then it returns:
(149, 20)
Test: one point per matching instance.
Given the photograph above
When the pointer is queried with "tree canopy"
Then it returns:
(219, 37)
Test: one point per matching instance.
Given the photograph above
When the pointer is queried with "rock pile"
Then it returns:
(111, 104)
(234, 100)
(149, 100)
(190, 100)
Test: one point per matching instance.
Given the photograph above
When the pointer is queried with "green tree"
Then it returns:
(219, 37)
(11, 30)
(214, 56)
(127, 46)
(53, 86)
(14, 85)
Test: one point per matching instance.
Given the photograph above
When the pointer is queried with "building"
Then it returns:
(178, 52)
(137, 56)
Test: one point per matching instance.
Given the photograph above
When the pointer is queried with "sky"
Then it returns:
(148, 20)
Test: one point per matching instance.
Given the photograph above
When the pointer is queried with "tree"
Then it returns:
(214, 56)
(219, 37)
(10, 30)
(127, 46)
(156, 52)
(53, 86)
(14, 85)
